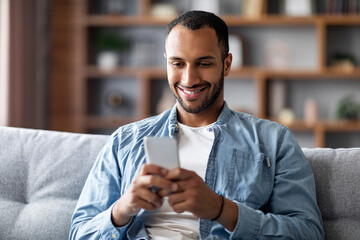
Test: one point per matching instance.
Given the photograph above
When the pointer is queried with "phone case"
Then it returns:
(162, 151)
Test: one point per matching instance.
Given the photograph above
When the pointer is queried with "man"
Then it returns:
(240, 177)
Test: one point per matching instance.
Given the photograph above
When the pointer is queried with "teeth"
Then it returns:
(191, 92)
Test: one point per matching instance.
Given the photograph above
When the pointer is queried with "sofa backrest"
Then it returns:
(337, 176)
(41, 177)
(42, 174)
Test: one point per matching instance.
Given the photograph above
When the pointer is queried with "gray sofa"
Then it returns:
(42, 174)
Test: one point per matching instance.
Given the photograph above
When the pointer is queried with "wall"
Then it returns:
(4, 47)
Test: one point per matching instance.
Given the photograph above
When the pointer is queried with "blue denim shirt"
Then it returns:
(255, 163)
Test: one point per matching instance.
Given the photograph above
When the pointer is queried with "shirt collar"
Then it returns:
(223, 118)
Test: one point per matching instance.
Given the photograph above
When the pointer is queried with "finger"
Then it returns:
(147, 169)
(188, 180)
(166, 191)
(135, 199)
(143, 204)
(149, 197)
(150, 181)
(178, 174)
(178, 202)
(177, 198)
(148, 206)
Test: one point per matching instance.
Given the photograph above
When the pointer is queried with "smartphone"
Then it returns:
(162, 151)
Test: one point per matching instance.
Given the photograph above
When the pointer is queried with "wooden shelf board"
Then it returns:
(326, 125)
(146, 72)
(341, 19)
(311, 74)
(93, 122)
(93, 71)
(231, 20)
(297, 125)
(243, 72)
(118, 20)
(269, 20)
(342, 126)
(295, 73)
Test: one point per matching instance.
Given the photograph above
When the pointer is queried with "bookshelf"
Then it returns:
(76, 76)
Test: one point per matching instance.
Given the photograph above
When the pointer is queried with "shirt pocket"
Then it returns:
(250, 180)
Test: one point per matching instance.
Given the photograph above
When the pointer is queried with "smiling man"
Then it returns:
(196, 65)
(240, 178)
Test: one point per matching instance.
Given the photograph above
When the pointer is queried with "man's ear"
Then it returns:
(165, 55)
(227, 64)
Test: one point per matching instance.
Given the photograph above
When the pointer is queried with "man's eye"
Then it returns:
(205, 64)
(176, 64)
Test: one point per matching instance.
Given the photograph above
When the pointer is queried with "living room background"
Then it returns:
(297, 62)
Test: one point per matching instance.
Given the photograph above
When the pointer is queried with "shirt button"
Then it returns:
(113, 235)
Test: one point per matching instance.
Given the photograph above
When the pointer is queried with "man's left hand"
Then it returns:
(193, 195)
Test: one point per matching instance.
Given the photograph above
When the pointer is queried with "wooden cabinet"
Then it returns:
(77, 80)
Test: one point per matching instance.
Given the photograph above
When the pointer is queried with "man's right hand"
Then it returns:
(139, 195)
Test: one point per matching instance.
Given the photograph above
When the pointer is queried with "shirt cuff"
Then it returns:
(109, 231)
(248, 223)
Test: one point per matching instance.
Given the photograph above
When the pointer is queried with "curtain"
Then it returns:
(29, 63)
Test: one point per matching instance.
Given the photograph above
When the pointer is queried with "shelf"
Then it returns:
(244, 72)
(341, 126)
(326, 125)
(153, 72)
(124, 21)
(341, 19)
(298, 126)
(72, 98)
(269, 20)
(118, 20)
(93, 122)
(158, 72)
(327, 73)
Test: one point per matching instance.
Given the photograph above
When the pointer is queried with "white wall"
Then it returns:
(4, 61)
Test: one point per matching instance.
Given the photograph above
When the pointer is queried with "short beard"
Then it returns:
(209, 102)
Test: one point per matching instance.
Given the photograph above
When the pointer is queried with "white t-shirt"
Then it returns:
(194, 150)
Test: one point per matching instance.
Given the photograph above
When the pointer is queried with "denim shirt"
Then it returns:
(255, 163)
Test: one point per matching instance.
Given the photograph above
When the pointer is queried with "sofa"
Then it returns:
(42, 173)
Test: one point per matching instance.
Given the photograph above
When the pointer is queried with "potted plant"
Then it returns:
(109, 46)
(348, 108)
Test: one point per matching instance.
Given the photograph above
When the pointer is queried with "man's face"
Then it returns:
(195, 68)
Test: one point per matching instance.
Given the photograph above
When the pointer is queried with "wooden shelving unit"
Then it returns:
(79, 120)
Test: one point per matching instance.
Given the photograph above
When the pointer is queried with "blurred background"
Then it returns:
(91, 66)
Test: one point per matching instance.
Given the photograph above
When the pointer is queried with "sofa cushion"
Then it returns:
(41, 177)
(337, 177)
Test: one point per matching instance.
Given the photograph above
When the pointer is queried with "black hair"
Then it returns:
(195, 20)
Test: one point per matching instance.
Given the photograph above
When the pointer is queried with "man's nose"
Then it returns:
(190, 76)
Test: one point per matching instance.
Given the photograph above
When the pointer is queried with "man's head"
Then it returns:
(195, 20)
(196, 50)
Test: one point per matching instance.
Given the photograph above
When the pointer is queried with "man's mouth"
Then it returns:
(191, 94)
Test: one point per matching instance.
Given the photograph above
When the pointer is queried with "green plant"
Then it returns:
(111, 41)
(348, 108)
(341, 57)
